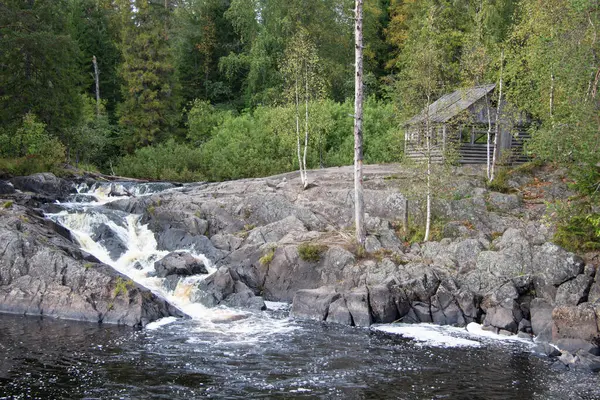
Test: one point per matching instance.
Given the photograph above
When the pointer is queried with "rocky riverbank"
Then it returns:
(495, 265)
(42, 272)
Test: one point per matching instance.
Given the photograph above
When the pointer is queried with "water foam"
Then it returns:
(142, 252)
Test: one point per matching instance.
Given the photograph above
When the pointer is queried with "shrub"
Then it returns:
(30, 149)
(168, 161)
(310, 252)
(577, 225)
(500, 182)
(267, 258)
(580, 233)
(202, 121)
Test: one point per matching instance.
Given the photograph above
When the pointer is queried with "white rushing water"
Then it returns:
(83, 218)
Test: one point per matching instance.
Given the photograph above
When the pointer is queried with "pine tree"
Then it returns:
(38, 65)
(90, 24)
(149, 111)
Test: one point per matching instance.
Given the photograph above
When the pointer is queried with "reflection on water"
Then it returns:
(43, 358)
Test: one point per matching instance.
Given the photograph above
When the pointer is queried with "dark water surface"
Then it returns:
(49, 359)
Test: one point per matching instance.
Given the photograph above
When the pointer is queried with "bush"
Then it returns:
(500, 182)
(267, 258)
(577, 226)
(202, 120)
(310, 252)
(248, 146)
(169, 161)
(30, 149)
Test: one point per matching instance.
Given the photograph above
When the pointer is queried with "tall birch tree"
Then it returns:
(303, 84)
(359, 205)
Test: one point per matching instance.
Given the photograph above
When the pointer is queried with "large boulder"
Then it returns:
(556, 264)
(46, 184)
(175, 239)
(338, 312)
(275, 231)
(225, 287)
(313, 303)
(243, 297)
(110, 240)
(215, 288)
(513, 258)
(357, 301)
(575, 327)
(179, 263)
(382, 304)
(42, 273)
(573, 292)
(6, 187)
(541, 319)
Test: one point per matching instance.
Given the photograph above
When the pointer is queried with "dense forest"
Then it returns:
(205, 89)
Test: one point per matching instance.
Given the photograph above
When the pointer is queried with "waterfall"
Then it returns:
(132, 250)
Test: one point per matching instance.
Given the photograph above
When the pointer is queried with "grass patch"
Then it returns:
(310, 252)
(500, 182)
(7, 204)
(416, 232)
(267, 258)
(122, 287)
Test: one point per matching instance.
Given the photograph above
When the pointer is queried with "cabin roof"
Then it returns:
(450, 105)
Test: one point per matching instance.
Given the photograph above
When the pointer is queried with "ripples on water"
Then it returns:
(49, 359)
(265, 355)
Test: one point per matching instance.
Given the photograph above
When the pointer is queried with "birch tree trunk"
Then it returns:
(489, 139)
(297, 104)
(497, 127)
(306, 95)
(428, 150)
(359, 210)
(97, 79)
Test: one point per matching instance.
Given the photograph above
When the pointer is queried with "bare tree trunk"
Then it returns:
(359, 207)
(489, 138)
(498, 110)
(97, 79)
(305, 182)
(405, 218)
(552, 95)
(297, 101)
(428, 150)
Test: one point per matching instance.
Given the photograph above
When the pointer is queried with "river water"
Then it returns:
(235, 354)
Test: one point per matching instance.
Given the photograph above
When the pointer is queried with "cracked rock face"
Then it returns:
(43, 273)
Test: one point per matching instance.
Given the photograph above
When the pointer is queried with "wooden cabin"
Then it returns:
(459, 122)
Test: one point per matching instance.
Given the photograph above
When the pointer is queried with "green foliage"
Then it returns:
(39, 73)
(310, 252)
(91, 25)
(500, 182)
(202, 36)
(93, 141)
(202, 120)
(168, 161)
(30, 149)
(416, 231)
(122, 286)
(7, 204)
(581, 233)
(149, 111)
(244, 147)
(267, 258)
(577, 225)
(552, 69)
